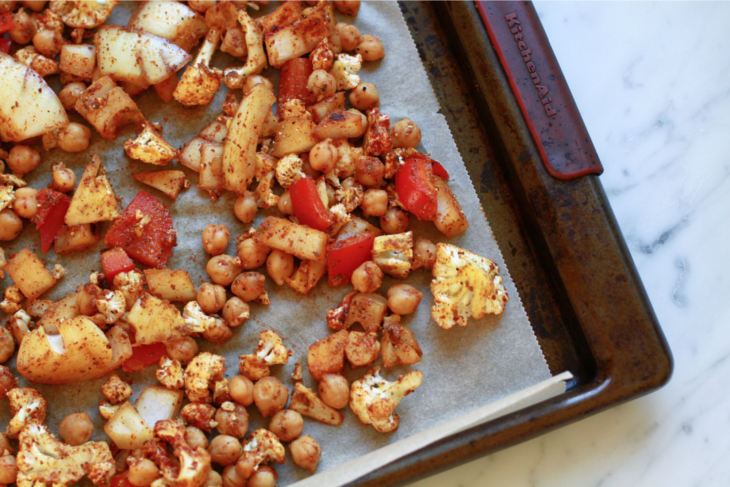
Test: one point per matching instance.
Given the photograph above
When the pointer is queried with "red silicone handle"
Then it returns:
(540, 88)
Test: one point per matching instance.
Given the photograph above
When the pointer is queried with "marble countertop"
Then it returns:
(652, 81)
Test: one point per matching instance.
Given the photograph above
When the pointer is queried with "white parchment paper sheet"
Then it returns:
(464, 369)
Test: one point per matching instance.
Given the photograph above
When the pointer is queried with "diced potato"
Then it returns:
(307, 276)
(166, 88)
(157, 403)
(321, 109)
(65, 309)
(73, 239)
(153, 320)
(294, 136)
(298, 38)
(450, 218)
(271, 124)
(173, 21)
(301, 241)
(356, 226)
(340, 124)
(368, 310)
(211, 168)
(121, 346)
(169, 182)
(327, 356)
(190, 153)
(78, 60)
(108, 108)
(399, 346)
(94, 199)
(150, 147)
(29, 274)
(128, 429)
(172, 285)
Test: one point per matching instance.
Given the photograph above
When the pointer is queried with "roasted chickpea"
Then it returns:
(183, 349)
(367, 278)
(335, 41)
(364, 96)
(224, 450)
(369, 171)
(235, 311)
(24, 28)
(214, 480)
(26, 203)
(252, 254)
(7, 348)
(347, 7)
(395, 220)
(424, 253)
(22, 159)
(405, 134)
(265, 476)
(334, 390)
(307, 168)
(374, 202)
(370, 48)
(143, 472)
(8, 469)
(285, 202)
(323, 157)
(257, 79)
(321, 84)
(245, 207)
(10, 225)
(241, 390)
(306, 452)
(70, 93)
(279, 265)
(287, 425)
(74, 137)
(36, 5)
(195, 437)
(349, 36)
(48, 43)
(220, 333)
(403, 299)
(249, 286)
(232, 420)
(64, 179)
(231, 478)
(270, 396)
(211, 297)
(222, 269)
(76, 429)
(216, 238)
(234, 43)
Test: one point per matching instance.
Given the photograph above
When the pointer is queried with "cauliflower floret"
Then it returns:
(83, 14)
(201, 374)
(36, 61)
(44, 459)
(465, 284)
(297, 374)
(13, 180)
(322, 56)
(393, 254)
(262, 446)
(270, 351)
(221, 391)
(13, 298)
(108, 410)
(131, 284)
(194, 464)
(59, 271)
(97, 278)
(374, 399)
(307, 403)
(7, 196)
(350, 195)
(170, 373)
(289, 170)
(196, 321)
(336, 317)
(265, 173)
(112, 305)
(345, 69)
(116, 390)
(348, 157)
(200, 82)
(294, 108)
(199, 415)
(150, 147)
(19, 325)
(26, 405)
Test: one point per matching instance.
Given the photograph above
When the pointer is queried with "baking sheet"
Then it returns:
(464, 369)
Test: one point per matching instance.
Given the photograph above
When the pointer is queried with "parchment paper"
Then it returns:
(464, 369)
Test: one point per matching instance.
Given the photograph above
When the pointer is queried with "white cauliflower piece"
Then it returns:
(26, 405)
(13, 180)
(307, 403)
(12, 299)
(112, 305)
(393, 254)
(345, 69)
(44, 459)
(131, 284)
(59, 271)
(116, 390)
(270, 351)
(465, 284)
(196, 321)
(193, 464)
(201, 374)
(201, 82)
(262, 446)
(374, 399)
(289, 170)
(7, 196)
(19, 325)
(150, 147)
(82, 14)
(108, 410)
(170, 373)
(340, 216)
(347, 158)
(350, 195)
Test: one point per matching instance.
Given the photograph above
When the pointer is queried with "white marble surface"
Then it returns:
(652, 81)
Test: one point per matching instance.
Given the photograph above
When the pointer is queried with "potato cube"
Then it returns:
(153, 320)
(327, 356)
(172, 285)
(78, 59)
(299, 240)
(29, 274)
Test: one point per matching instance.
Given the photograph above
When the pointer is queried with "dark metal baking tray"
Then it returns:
(559, 238)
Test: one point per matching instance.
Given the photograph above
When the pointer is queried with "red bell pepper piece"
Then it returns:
(439, 170)
(5, 45)
(150, 243)
(347, 255)
(308, 206)
(115, 261)
(143, 356)
(414, 187)
(52, 208)
(6, 23)
(293, 80)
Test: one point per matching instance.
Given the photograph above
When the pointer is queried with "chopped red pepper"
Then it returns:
(5, 45)
(143, 356)
(144, 231)
(414, 187)
(345, 256)
(6, 23)
(115, 261)
(308, 206)
(293, 80)
(52, 208)
(439, 170)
